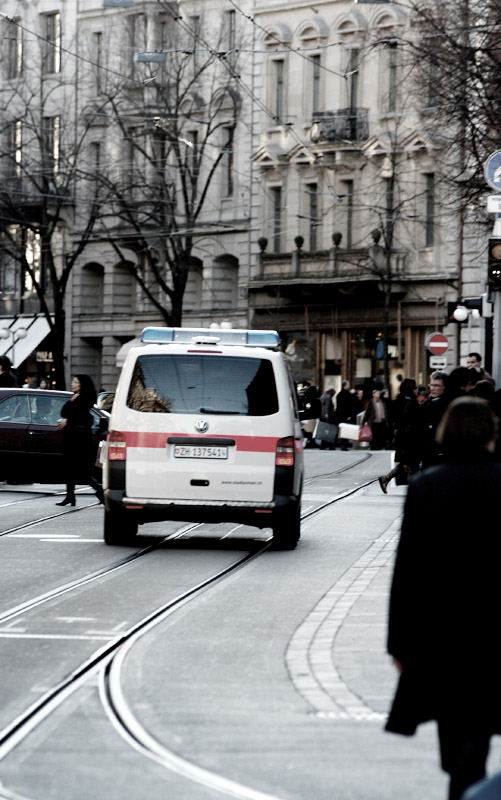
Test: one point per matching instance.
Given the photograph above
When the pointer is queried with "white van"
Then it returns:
(204, 427)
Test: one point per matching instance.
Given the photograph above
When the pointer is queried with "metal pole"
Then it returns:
(496, 320)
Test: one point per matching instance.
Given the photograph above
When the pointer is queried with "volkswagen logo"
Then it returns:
(202, 426)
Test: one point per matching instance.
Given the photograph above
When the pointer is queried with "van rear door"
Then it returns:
(210, 425)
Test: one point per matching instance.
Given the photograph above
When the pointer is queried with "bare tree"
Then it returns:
(175, 138)
(457, 53)
(41, 147)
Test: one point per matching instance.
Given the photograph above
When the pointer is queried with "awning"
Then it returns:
(16, 345)
(121, 354)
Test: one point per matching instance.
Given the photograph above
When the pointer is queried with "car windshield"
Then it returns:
(212, 384)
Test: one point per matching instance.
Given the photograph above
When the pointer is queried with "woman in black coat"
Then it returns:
(76, 424)
(404, 423)
(445, 603)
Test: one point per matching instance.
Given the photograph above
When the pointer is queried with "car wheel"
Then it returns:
(119, 528)
(287, 530)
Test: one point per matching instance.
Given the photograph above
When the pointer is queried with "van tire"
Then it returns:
(287, 531)
(119, 528)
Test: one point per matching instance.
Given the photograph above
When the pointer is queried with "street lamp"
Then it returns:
(462, 313)
(18, 333)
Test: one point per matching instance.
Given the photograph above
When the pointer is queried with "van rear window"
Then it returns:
(203, 384)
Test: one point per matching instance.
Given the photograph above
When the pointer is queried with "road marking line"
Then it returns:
(11, 635)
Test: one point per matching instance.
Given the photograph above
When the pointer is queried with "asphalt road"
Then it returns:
(272, 683)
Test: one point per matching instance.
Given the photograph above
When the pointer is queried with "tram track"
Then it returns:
(107, 660)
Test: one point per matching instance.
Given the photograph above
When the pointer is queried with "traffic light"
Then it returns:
(494, 263)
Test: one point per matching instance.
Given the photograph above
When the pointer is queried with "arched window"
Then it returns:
(192, 300)
(225, 282)
(92, 288)
(278, 38)
(124, 286)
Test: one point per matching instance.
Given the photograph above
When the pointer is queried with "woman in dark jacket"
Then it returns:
(404, 422)
(76, 424)
(445, 603)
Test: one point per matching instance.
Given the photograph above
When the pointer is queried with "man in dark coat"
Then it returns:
(7, 377)
(344, 403)
(429, 415)
(445, 602)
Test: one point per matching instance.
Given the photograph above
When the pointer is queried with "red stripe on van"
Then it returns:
(253, 444)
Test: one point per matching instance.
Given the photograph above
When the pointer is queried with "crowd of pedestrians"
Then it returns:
(445, 602)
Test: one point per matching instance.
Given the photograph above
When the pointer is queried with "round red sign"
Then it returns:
(437, 343)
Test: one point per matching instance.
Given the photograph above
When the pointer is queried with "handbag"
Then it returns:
(325, 431)
(365, 433)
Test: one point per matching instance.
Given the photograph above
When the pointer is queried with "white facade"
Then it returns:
(330, 139)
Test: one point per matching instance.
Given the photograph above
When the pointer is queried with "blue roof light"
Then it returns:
(231, 336)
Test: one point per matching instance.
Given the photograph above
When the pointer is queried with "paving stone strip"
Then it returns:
(310, 653)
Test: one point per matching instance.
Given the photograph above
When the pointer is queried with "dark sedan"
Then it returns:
(31, 446)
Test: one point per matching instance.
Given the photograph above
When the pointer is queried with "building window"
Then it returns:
(392, 77)
(430, 211)
(51, 34)
(9, 269)
(14, 38)
(98, 59)
(315, 82)
(128, 164)
(278, 89)
(195, 41)
(33, 256)
(353, 74)
(136, 40)
(51, 144)
(228, 165)
(313, 221)
(95, 158)
(276, 196)
(16, 148)
(348, 204)
(231, 37)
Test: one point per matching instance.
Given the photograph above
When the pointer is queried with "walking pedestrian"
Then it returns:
(445, 601)
(474, 361)
(7, 377)
(376, 417)
(404, 413)
(344, 409)
(430, 414)
(76, 423)
(328, 415)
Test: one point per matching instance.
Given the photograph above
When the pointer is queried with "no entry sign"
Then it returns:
(437, 343)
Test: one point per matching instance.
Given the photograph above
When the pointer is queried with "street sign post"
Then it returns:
(438, 362)
(494, 204)
(492, 171)
(437, 343)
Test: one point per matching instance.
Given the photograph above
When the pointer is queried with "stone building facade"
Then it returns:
(347, 162)
(326, 214)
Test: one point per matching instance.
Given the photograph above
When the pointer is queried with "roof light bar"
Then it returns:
(211, 336)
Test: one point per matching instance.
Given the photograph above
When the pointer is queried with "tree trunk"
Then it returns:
(58, 339)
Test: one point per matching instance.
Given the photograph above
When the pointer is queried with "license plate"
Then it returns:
(199, 451)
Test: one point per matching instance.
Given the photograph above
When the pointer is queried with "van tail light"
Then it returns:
(117, 446)
(284, 456)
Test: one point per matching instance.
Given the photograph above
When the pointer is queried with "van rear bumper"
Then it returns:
(264, 515)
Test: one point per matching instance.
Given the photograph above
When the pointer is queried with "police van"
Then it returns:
(204, 427)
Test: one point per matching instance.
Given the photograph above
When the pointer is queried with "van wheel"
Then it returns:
(287, 531)
(119, 528)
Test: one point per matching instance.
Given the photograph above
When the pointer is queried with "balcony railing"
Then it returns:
(334, 265)
(347, 124)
